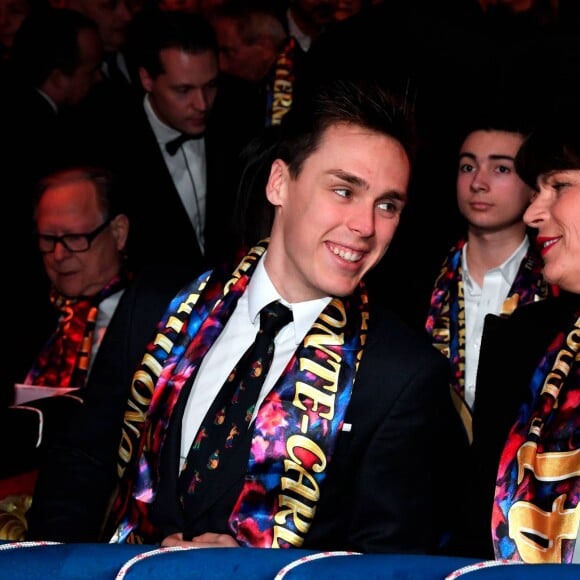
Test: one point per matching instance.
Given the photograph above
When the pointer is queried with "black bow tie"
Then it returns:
(172, 146)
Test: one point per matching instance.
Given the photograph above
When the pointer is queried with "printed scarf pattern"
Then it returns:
(446, 317)
(536, 512)
(295, 428)
(65, 357)
(281, 86)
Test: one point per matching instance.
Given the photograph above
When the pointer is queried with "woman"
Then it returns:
(526, 450)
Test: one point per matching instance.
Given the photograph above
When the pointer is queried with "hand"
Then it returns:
(207, 540)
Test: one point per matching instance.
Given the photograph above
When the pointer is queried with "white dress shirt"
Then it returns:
(482, 301)
(238, 334)
(304, 41)
(187, 168)
(106, 310)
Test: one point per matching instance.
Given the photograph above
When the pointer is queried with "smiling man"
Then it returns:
(336, 447)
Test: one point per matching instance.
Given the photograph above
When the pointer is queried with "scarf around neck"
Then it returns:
(65, 358)
(446, 317)
(296, 426)
(536, 511)
(279, 91)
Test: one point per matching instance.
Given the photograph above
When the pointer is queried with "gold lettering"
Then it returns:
(321, 341)
(125, 453)
(287, 536)
(164, 342)
(302, 442)
(550, 466)
(553, 527)
(365, 320)
(340, 310)
(317, 397)
(151, 363)
(297, 486)
(330, 375)
(296, 509)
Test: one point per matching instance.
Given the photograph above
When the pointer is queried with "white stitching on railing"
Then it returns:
(283, 571)
(479, 566)
(127, 565)
(13, 545)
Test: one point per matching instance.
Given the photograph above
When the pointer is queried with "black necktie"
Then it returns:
(229, 416)
(172, 146)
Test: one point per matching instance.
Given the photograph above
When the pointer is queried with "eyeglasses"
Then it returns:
(72, 242)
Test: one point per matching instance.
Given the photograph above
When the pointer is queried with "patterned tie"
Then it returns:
(229, 416)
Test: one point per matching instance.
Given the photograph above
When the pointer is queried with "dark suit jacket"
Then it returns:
(160, 230)
(511, 350)
(389, 478)
(78, 470)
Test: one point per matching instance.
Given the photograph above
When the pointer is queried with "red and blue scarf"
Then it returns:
(536, 512)
(65, 357)
(446, 317)
(296, 426)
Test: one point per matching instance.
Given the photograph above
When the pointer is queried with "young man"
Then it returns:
(524, 483)
(179, 197)
(493, 268)
(339, 447)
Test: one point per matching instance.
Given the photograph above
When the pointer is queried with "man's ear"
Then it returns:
(120, 227)
(146, 80)
(276, 187)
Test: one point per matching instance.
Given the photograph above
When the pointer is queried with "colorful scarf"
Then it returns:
(280, 88)
(65, 357)
(446, 317)
(536, 512)
(295, 428)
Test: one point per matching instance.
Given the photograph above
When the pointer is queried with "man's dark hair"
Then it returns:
(157, 30)
(48, 41)
(364, 103)
(507, 114)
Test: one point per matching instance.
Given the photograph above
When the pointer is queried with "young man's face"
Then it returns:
(490, 194)
(336, 219)
(183, 95)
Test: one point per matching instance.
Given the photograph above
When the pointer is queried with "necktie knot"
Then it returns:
(273, 318)
(173, 146)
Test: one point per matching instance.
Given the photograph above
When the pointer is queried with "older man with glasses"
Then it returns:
(81, 234)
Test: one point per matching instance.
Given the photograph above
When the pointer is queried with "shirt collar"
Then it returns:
(261, 291)
(303, 40)
(52, 104)
(163, 132)
(508, 269)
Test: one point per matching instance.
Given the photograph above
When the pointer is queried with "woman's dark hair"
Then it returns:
(553, 147)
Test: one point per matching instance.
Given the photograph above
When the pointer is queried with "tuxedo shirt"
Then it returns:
(187, 168)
